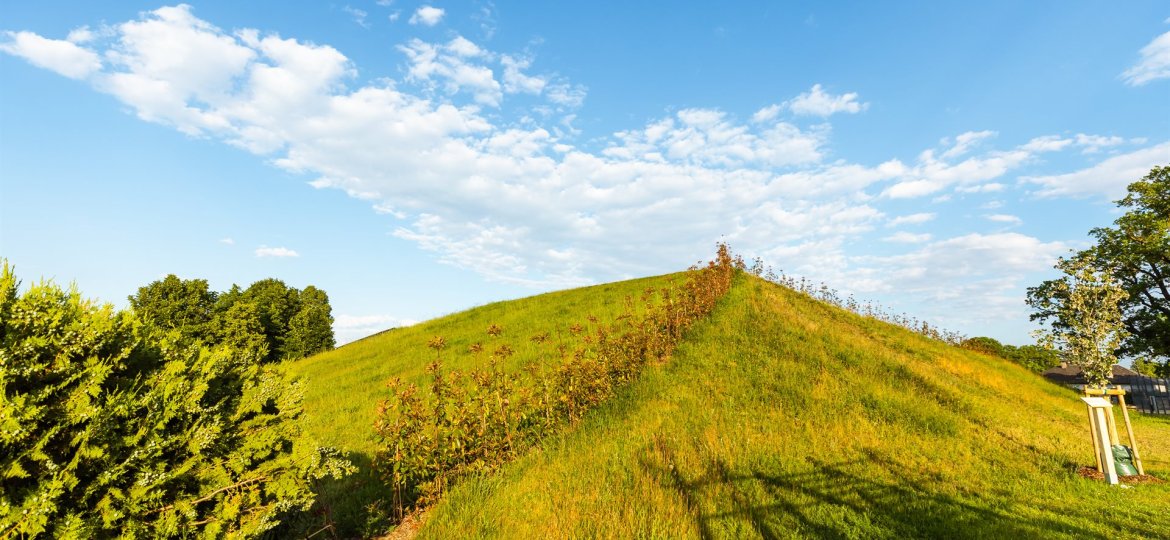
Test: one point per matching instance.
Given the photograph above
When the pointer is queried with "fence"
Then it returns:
(1149, 395)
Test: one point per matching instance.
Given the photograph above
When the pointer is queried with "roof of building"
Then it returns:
(1070, 374)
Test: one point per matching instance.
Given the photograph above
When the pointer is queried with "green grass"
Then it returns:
(783, 417)
(779, 416)
(344, 386)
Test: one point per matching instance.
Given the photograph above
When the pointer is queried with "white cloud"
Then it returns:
(519, 201)
(1108, 178)
(61, 56)
(991, 187)
(1153, 65)
(904, 237)
(816, 102)
(965, 280)
(972, 174)
(461, 66)
(767, 113)
(359, 16)
(710, 138)
(229, 241)
(516, 81)
(347, 328)
(912, 219)
(1004, 218)
(282, 252)
(453, 63)
(393, 16)
(427, 16)
(81, 35)
(1094, 143)
(965, 142)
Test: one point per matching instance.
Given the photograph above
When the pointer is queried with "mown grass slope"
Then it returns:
(342, 387)
(781, 416)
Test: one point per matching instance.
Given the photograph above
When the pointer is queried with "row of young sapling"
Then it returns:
(472, 422)
(821, 291)
(464, 423)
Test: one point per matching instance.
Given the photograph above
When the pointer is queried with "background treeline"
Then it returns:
(1033, 357)
(111, 426)
(281, 322)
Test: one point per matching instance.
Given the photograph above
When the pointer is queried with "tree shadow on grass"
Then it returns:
(851, 499)
(349, 507)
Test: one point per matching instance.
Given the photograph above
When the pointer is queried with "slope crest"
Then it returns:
(782, 416)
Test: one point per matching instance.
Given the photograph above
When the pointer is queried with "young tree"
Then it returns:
(1136, 252)
(109, 428)
(1084, 311)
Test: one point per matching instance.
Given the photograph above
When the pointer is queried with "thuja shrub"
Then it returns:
(107, 429)
(462, 424)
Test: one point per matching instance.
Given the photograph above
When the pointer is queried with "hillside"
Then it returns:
(784, 417)
(779, 416)
(344, 386)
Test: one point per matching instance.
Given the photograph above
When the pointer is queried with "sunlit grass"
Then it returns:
(343, 386)
(784, 417)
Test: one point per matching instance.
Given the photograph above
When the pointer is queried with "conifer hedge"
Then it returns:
(111, 428)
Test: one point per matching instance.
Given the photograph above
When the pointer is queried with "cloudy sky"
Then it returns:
(415, 159)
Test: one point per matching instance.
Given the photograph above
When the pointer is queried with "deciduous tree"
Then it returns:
(1084, 311)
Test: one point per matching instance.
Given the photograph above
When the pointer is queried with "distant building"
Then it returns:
(1144, 393)
(1071, 376)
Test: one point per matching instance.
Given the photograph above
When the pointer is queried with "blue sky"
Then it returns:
(415, 159)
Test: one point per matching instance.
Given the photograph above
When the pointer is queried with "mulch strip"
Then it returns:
(1094, 474)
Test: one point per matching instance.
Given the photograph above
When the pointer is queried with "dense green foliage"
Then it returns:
(1086, 322)
(1150, 368)
(782, 417)
(1033, 357)
(1136, 252)
(281, 322)
(473, 423)
(111, 427)
(184, 305)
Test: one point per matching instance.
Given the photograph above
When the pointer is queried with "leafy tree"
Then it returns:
(1136, 252)
(311, 329)
(239, 327)
(310, 332)
(186, 305)
(984, 345)
(109, 427)
(1149, 368)
(278, 304)
(1033, 357)
(1085, 316)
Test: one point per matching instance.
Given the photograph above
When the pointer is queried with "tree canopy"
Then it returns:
(269, 316)
(111, 427)
(1135, 251)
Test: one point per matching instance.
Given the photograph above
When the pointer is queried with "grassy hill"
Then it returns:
(779, 416)
(344, 386)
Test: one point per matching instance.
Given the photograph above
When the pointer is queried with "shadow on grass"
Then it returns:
(835, 500)
(349, 507)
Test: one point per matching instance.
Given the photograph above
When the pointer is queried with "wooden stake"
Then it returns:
(1096, 440)
(1112, 423)
(1137, 460)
